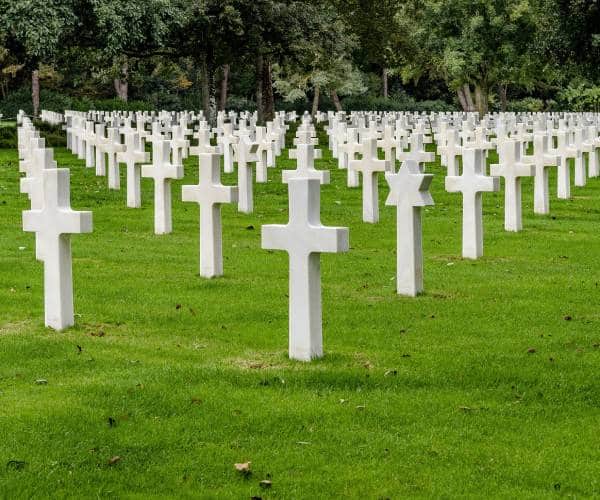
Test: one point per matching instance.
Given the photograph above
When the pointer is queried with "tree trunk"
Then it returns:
(336, 101)
(122, 84)
(468, 97)
(462, 100)
(268, 96)
(503, 96)
(259, 89)
(481, 99)
(384, 77)
(224, 88)
(208, 90)
(35, 92)
(315, 103)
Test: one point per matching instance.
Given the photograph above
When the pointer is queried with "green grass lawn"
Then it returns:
(487, 385)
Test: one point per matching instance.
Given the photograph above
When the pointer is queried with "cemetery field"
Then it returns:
(486, 385)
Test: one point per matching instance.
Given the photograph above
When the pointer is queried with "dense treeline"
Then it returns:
(268, 54)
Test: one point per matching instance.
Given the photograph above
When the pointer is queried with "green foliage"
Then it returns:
(583, 97)
(401, 102)
(38, 27)
(8, 137)
(530, 104)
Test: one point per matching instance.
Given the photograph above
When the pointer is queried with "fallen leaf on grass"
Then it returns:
(16, 464)
(531, 350)
(114, 460)
(243, 468)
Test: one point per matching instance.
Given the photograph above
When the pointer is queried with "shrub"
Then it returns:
(400, 102)
(527, 104)
(583, 97)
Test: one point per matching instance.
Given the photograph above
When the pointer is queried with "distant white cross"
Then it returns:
(304, 238)
(417, 150)
(369, 166)
(409, 192)
(541, 160)
(564, 151)
(53, 224)
(112, 147)
(162, 171)
(227, 141)
(100, 141)
(264, 154)
(472, 184)
(90, 140)
(451, 150)
(512, 169)
(347, 153)
(132, 157)
(210, 194)
(305, 160)
(245, 154)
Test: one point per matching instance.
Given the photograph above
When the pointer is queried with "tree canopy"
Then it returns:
(470, 54)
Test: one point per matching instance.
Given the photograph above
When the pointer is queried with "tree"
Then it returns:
(373, 24)
(471, 44)
(36, 30)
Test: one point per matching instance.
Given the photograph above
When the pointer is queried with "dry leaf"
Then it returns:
(114, 460)
(243, 468)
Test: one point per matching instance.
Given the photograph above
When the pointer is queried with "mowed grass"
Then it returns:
(486, 385)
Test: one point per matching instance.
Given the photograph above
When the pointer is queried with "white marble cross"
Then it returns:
(132, 157)
(112, 147)
(162, 171)
(227, 141)
(541, 160)
(210, 194)
(591, 146)
(450, 151)
(512, 169)
(100, 141)
(90, 140)
(304, 238)
(203, 135)
(389, 145)
(347, 153)
(245, 154)
(369, 166)
(179, 145)
(563, 177)
(33, 184)
(409, 192)
(472, 184)
(305, 155)
(578, 144)
(417, 150)
(26, 165)
(53, 224)
(264, 154)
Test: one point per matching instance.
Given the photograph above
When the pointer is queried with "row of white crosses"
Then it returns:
(53, 221)
(408, 192)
